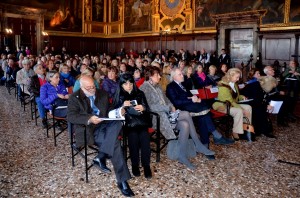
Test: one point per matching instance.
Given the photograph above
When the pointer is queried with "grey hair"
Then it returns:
(26, 62)
(36, 66)
(173, 73)
(50, 74)
(266, 69)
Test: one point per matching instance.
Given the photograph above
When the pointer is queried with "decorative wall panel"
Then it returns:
(278, 49)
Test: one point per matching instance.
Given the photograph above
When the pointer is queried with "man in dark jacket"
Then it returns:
(184, 100)
(86, 107)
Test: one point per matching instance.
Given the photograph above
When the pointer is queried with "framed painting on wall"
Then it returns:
(98, 10)
(64, 16)
(295, 11)
(61, 15)
(137, 15)
(203, 9)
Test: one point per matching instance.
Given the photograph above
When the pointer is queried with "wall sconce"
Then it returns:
(8, 31)
(44, 33)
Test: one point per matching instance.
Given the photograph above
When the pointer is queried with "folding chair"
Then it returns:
(10, 85)
(25, 99)
(33, 110)
(56, 121)
(82, 151)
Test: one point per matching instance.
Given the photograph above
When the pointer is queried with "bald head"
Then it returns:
(87, 85)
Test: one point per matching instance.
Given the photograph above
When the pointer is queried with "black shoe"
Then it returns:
(223, 141)
(45, 123)
(101, 164)
(270, 135)
(125, 189)
(210, 157)
(136, 171)
(282, 124)
(147, 172)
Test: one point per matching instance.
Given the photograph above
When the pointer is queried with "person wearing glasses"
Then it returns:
(85, 109)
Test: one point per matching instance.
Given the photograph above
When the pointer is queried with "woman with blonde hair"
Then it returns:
(165, 78)
(229, 91)
(87, 72)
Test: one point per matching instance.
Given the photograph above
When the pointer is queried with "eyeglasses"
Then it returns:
(89, 87)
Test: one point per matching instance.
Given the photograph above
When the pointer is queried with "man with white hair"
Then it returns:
(184, 100)
(86, 107)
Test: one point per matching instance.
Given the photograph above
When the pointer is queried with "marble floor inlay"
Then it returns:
(30, 166)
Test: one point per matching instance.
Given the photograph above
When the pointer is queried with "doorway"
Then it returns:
(241, 47)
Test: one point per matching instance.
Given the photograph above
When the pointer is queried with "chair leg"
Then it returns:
(71, 142)
(54, 132)
(85, 158)
(157, 146)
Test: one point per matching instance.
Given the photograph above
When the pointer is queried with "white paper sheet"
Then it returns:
(276, 105)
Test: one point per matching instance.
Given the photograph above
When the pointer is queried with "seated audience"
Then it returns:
(38, 80)
(87, 72)
(138, 79)
(185, 101)
(223, 70)
(212, 74)
(23, 78)
(259, 104)
(165, 78)
(160, 104)
(278, 95)
(200, 79)
(188, 80)
(54, 93)
(228, 91)
(65, 76)
(137, 131)
(110, 84)
(86, 107)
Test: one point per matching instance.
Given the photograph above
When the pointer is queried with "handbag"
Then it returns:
(173, 116)
(173, 149)
(134, 118)
(248, 130)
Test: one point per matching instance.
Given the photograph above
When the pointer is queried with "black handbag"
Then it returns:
(134, 118)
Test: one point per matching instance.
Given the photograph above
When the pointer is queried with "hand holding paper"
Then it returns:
(276, 106)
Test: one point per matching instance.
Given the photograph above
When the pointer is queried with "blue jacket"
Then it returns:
(180, 99)
(48, 94)
(110, 86)
(63, 77)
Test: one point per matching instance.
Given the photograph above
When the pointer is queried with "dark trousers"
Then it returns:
(205, 126)
(106, 138)
(138, 138)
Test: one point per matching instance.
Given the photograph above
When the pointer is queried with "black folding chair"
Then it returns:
(83, 151)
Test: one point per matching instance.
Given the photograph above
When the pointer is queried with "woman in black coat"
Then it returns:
(137, 121)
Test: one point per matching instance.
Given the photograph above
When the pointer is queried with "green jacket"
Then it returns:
(227, 94)
(286, 73)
